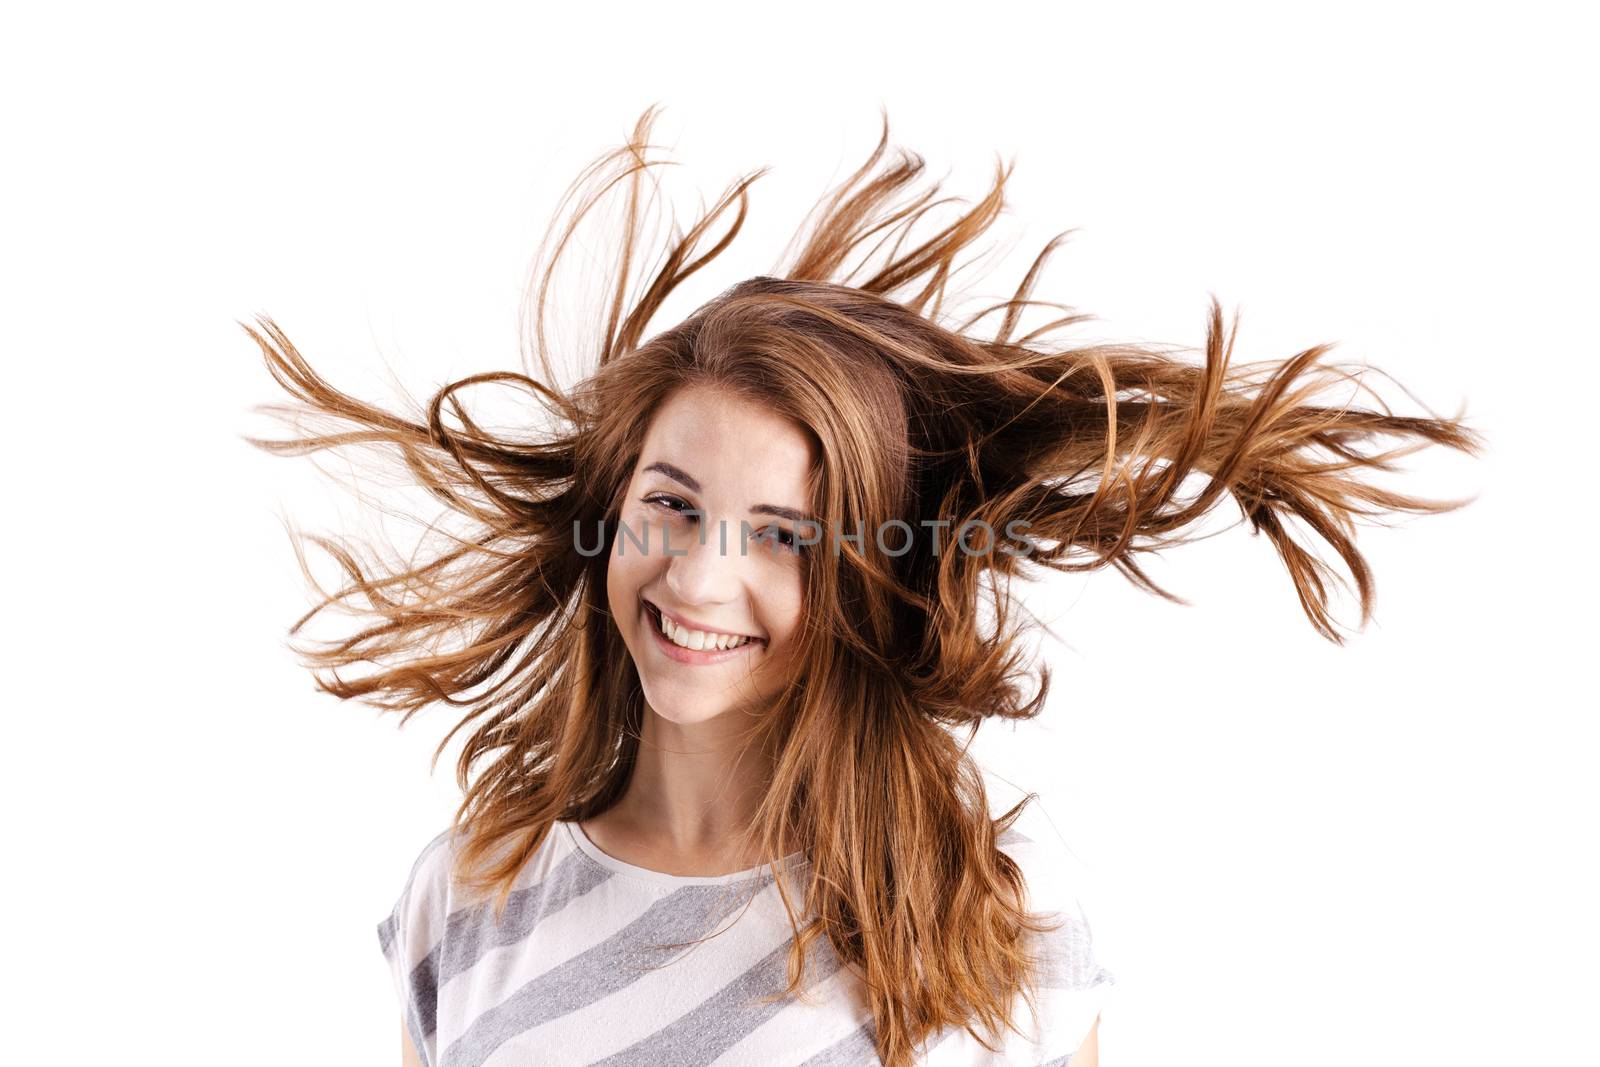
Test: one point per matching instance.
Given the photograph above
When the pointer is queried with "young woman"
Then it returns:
(721, 615)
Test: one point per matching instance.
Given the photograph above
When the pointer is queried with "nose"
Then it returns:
(706, 573)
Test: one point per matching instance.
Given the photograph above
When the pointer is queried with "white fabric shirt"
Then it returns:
(579, 969)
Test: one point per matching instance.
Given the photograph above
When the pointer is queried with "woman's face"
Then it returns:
(713, 579)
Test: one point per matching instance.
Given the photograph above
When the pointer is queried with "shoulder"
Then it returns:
(430, 901)
(1067, 952)
(424, 898)
(434, 859)
(1074, 985)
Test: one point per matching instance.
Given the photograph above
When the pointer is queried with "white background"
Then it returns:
(1295, 853)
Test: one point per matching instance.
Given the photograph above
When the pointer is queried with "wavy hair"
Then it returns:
(918, 418)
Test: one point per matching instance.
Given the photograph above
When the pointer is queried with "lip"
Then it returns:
(693, 624)
(689, 655)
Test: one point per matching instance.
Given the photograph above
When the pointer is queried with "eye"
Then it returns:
(781, 537)
(664, 501)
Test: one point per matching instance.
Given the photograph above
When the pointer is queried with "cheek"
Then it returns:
(781, 609)
(624, 577)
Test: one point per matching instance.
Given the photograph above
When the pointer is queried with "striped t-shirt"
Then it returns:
(576, 971)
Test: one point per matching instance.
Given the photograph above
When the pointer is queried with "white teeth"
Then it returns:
(698, 640)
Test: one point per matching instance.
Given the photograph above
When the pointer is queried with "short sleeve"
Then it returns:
(1074, 986)
(409, 938)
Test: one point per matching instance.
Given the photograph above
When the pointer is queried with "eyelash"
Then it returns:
(662, 501)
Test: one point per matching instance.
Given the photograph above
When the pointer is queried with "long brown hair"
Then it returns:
(918, 419)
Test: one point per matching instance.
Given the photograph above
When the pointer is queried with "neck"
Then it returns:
(694, 786)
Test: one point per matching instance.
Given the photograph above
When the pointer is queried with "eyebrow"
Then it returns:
(678, 474)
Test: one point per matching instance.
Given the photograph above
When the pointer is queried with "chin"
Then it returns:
(688, 695)
(685, 705)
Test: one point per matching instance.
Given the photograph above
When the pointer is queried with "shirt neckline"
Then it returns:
(581, 840)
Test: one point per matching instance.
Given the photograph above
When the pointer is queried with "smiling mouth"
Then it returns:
(710, 653)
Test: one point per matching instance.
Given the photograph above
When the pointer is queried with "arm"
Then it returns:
(1088, 1054)
(409, 1057)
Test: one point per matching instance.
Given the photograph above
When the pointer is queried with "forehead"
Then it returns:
(738, 445)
